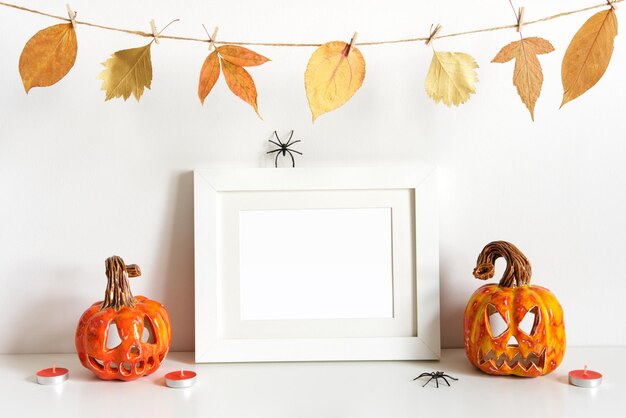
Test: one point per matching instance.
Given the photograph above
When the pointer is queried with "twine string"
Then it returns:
(609, 3)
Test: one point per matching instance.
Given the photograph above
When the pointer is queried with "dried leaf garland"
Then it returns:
(48, 56)
(451, 77)
(527, 74)
(334, 73)
(232, 59)
(127, 72)
(588, 54)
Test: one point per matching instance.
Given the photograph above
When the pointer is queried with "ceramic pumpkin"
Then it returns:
(531, 338)
(123, 337)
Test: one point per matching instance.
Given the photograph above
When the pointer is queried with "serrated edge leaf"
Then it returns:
(33, 73)
(137, 91)
(241, 56)
(209, 73)
(233, 74)
(433, 77)
(525, 52)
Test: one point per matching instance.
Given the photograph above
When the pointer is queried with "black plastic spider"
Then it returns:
(284, 148)
(436, 375)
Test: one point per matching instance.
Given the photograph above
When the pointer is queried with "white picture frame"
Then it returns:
(414, 331)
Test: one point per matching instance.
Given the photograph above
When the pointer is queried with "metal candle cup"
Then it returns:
(585, 378)
(180, 379)
(52, 376)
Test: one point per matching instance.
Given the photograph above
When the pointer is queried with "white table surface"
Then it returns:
(327, 389)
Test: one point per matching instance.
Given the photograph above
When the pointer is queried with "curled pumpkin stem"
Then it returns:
(118, 292)
(518, 270)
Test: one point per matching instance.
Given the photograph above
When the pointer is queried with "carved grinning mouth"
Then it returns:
(125, 368)
(533, 359)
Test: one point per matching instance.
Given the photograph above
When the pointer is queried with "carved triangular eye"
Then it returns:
(528, 325)
(113, 336)
(497, 323)
(148, 335)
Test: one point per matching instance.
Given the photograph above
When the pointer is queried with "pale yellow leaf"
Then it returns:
(588, 54)
(451, 77)
(527, 74)
(334, 73)
(48, 56)
(127, 72)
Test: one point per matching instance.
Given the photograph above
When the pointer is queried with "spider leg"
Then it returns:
(278, 139)
(293, 162)
(276, 159)
(290, 136)
(428, 381)
(297, 152)
(437, 381)
(453, 378)
(294, 142)
(446, 380)
(276, 150)
(278, 145)
(422, 375)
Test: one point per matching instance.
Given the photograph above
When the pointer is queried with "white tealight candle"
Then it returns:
(52, 376)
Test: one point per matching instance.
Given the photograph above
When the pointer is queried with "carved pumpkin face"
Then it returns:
(512, 328)
(118, 341)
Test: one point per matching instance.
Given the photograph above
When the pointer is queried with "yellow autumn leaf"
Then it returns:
(209, 73)
(451, 77)
(240, 82)
(127, 72)
(334, 73)
(48, 56)
(588, 54)
(241, 56)
(527, 74)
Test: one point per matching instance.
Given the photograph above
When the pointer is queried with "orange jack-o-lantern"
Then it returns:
(123, 337)
(512, 328)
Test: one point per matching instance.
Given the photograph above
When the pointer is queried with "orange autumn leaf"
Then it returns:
(232, 59)
(48, 56)
(209, 74)
(588, 54)
(527, 74)
(240, 83)
(334, 73)
(241, 56)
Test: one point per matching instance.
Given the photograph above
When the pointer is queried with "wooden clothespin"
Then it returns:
(72, 15)
(520, 19)
(212, 38)
(155, 34)
(612, 4)
(352, 43)
(433, 33)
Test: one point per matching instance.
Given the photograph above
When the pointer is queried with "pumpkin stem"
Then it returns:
(518, 270)
(118, 292)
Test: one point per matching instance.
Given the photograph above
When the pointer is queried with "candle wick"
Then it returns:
(182, 372)
(54, 368)
(585, 370)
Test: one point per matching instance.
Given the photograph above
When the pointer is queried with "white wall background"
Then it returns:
(81, 179)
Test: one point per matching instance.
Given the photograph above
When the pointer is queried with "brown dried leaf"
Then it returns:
(127, 72)
(48, 56)
(240, 83)
(334, 73)
(588, 54)
(241, 56)
(209, 74)
(527, 74)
